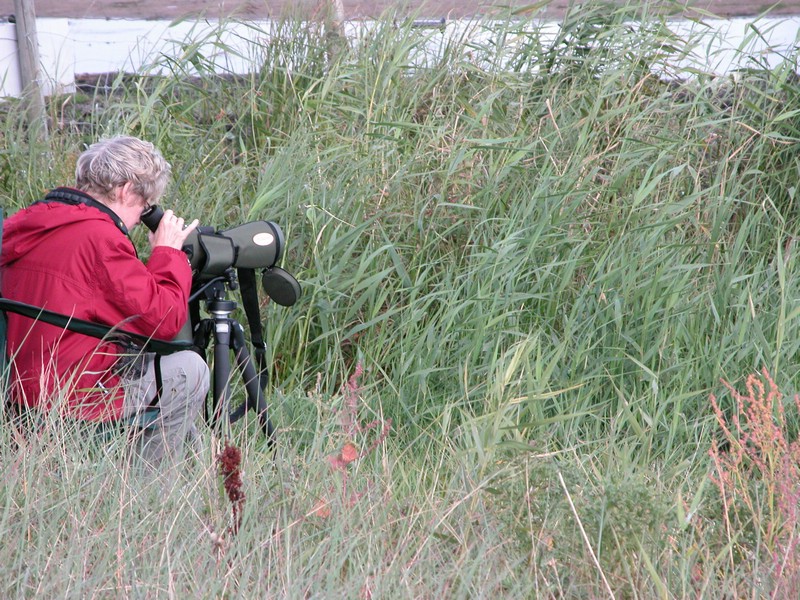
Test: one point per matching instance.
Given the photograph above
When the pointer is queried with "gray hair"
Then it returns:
(115, 161)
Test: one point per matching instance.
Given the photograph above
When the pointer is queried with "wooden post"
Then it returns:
(333, 23)
(30, 66)
(337, 16)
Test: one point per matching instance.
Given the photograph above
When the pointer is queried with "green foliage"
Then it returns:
(545, 252)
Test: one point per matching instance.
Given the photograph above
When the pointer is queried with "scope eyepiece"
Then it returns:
(152, 216)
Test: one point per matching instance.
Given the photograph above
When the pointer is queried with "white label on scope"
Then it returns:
(263, 239)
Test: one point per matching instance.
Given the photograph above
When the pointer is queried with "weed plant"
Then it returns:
(541, 255)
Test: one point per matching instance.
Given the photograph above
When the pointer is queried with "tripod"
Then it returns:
(228, 338)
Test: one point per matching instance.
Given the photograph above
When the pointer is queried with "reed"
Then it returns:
(544, 252)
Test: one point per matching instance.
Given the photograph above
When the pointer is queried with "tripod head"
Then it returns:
(215, 289)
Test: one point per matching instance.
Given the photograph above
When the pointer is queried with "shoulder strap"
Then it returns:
(75, 197)
(249, 293)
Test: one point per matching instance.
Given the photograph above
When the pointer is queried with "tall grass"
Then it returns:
(545, 253)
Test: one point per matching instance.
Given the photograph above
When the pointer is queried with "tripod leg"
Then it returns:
(255, 393)
(222, 369)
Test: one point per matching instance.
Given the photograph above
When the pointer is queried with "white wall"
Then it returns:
(70, 47)
(56, 55)
(75, 46)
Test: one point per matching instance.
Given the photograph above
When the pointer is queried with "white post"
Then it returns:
(29, 66)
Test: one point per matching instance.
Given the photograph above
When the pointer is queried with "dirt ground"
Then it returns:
(354, 9)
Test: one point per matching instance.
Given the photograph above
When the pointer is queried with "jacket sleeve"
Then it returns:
(148, 299)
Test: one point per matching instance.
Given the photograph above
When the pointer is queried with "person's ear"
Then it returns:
(120, 192)
(127, 195)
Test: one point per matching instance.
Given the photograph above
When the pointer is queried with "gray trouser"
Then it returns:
(185, 382)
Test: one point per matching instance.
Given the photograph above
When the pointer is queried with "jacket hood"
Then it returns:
(33, 225)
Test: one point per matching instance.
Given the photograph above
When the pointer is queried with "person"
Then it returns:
(71, 253)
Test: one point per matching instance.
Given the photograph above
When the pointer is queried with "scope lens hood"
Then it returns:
(258, 244)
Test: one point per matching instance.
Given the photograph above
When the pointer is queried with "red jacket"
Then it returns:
(74, 260)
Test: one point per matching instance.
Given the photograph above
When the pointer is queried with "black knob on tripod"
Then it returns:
(224, 307)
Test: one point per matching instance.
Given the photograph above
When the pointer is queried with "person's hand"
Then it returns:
(172, 231)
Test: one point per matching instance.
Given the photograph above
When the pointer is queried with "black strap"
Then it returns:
(75, 197)
(159, 382)
(249, 293)
(95, 330)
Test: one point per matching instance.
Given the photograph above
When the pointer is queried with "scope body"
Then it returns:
(253, 245)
